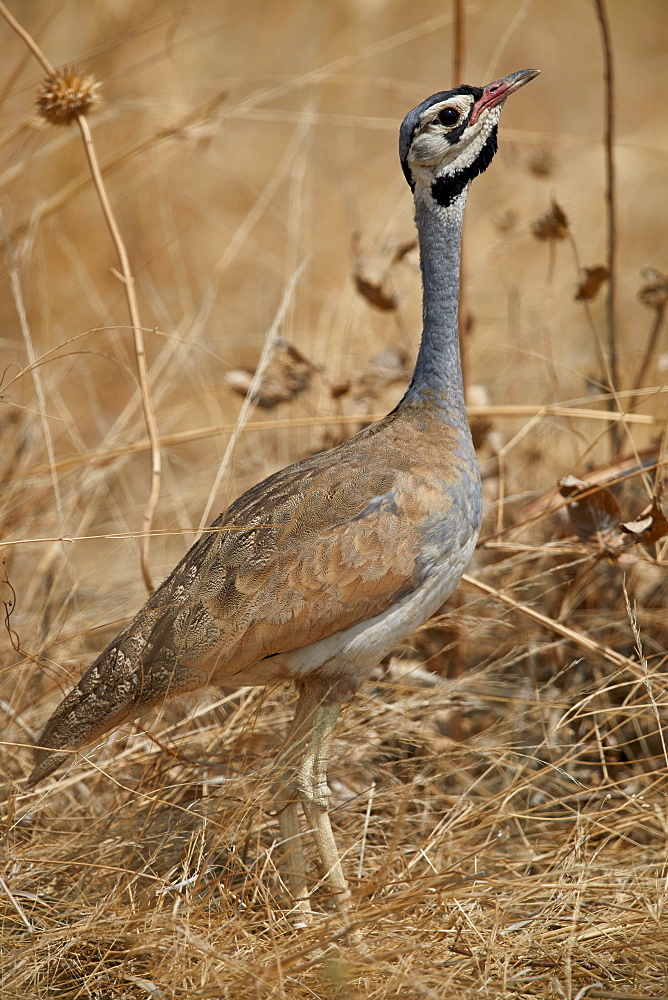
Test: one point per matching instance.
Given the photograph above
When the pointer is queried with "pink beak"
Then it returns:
(495, 93)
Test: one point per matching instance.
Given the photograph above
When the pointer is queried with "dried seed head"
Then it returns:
(551, 226)
(287, 374)
(65, 96)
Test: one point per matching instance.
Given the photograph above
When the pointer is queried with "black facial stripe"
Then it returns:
(474, 92)
(453, 136)
(445, 189)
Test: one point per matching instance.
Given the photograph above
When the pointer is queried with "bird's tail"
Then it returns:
(128, 677)
(142, 666)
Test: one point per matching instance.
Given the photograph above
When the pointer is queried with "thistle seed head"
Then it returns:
(66, 95)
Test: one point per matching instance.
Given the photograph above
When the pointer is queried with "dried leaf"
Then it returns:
(594, 515)
(372, 274)
(638, 526)
(594, 277)
(374, 293)
(570, 485)
(339, 389)
(653, 293)
(551, 226)
(626, 466)
(650, 526)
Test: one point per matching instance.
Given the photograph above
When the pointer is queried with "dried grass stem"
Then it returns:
(610, 203)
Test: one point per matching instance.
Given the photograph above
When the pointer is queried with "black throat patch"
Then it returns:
(445, 189)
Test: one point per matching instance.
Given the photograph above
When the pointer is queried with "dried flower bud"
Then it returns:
(541, 163)
(374, 292)
(505, 221)
(653, 292)
(65, 96)
(551, 226)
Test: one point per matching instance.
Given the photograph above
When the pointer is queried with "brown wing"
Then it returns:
(306, 554)
(337, 555)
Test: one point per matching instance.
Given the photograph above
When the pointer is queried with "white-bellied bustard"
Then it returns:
(332, 562)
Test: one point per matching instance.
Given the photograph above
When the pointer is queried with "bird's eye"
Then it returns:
(449, 117)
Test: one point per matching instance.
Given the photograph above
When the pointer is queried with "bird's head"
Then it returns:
(451, 137)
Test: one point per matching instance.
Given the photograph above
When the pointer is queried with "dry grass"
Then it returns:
(499, 788)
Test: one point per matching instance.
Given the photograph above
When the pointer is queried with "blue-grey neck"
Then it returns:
(438, 372)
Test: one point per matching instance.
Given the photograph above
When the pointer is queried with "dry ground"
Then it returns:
(499, 787)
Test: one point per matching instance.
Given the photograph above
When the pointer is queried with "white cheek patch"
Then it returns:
(427, 148)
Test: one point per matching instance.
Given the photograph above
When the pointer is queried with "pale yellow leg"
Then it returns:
(314, 792)
(287, 796)
(302, 773)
